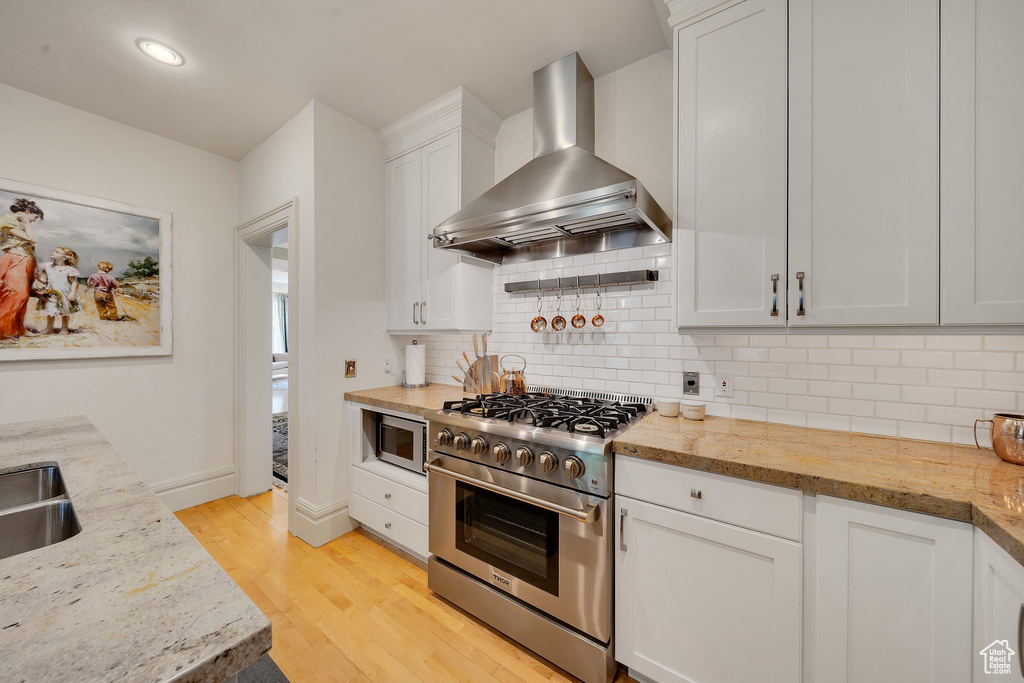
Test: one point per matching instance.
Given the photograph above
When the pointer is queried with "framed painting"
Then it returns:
(81, 277)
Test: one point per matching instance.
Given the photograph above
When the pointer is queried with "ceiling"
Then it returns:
(250, 65)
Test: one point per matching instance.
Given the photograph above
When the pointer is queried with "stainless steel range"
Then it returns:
(520, 530)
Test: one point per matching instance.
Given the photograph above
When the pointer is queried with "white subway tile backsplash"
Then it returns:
(916, 386)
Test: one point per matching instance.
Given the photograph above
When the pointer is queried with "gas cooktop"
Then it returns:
(570, 414)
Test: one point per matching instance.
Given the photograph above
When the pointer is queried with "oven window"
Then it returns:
(397, 442)
(512, 536)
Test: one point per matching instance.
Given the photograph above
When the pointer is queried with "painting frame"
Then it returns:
(165, 279)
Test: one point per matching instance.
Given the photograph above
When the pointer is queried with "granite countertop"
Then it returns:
(417, 401)
(952, 481)
(132, 596)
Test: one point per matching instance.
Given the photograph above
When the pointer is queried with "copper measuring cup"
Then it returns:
(558, 322)
(598, 319)
(540, 323)
(578, 320)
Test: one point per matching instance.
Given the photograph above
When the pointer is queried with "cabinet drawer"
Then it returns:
(402, 499)
(749, 504)
(389, 524)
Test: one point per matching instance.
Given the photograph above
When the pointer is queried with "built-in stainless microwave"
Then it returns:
(402, 442)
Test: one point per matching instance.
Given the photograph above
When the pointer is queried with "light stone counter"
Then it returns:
(947, 480)
(416, 401)
(133, 596)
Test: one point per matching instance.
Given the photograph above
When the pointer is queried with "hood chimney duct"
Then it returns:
(563, 106)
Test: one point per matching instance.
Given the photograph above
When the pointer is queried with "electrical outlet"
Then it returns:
(350, 368)
(723, 385)
(691, 384)
(387, 363)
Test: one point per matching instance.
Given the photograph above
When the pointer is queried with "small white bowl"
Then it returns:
(694, 411)
(668, 408)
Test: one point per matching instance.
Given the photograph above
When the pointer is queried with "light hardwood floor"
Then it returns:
(352, 610)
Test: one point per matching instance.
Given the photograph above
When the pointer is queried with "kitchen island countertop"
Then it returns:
(133, 596)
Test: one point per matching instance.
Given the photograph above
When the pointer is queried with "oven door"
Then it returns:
(401, 442)
(548, 546)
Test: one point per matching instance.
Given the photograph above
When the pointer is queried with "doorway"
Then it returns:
(266, 359)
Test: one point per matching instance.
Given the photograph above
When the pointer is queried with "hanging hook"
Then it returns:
(599, 299)
(577, 299)
(540, 303)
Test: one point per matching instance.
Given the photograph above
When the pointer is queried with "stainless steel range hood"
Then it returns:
(566, 201)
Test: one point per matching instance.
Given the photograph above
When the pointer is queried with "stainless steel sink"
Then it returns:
(30, 486)
(34, 510)
(36, 526)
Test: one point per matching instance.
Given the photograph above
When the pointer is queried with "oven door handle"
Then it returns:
(586, 515)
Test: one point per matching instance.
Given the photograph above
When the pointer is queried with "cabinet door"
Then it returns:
(998, 607)
(892, 595)
(731, 157)
(440, 201)
(864, 162)
(982, 162)
(405, 240)
(698, 600)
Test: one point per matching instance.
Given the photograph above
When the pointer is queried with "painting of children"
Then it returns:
(58, 282)
(122, 308)
(103, 285)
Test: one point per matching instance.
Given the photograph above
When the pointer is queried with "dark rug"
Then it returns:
(263, 670)
(280, 446)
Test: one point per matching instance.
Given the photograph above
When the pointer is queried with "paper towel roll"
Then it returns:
(415, 364)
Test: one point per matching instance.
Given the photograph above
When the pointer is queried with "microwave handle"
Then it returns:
(586, 515)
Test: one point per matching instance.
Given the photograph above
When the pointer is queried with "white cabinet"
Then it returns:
(891, 595)
(864, 162)
(697, 599)
(731, 160)
(982, 162)
(998, 608)
(388, 500)
(438, 159)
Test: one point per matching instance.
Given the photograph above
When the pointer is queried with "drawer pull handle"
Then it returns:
(387, 525)
(800, 310)
(623, 513)
(775, 295)
(387, 496)
(696, 493)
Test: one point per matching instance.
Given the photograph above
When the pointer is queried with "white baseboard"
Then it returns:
(195, 489)
(319, 524)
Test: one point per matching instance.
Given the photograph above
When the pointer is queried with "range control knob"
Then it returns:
(444, 438)
(461, 442)
(500, 453)
(478, 446)
(573, 467)
(548, 461)
(524, 457)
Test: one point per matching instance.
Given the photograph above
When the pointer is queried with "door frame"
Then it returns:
(250, 464)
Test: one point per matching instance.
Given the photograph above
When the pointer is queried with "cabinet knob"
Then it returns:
(695, 493)
(387, 496)
(387, 525)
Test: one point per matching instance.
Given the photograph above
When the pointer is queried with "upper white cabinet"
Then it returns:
(864, 162)
(998, 607)
(438, 159)
(891, 595)
(731, 218)
(982, 162)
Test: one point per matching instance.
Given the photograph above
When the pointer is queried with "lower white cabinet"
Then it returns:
(699, 600)
(998, 607)
(891, 595)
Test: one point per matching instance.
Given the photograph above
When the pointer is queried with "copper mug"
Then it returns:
(1007, 436)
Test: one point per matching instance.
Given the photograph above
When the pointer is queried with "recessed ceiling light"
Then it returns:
(160, 53)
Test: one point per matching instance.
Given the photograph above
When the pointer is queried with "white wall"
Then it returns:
(351, 307)
(335, 166)
(927, 387)
(169, 417)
